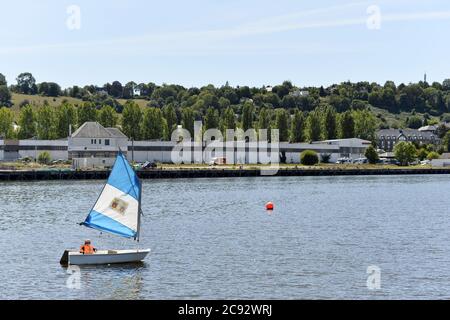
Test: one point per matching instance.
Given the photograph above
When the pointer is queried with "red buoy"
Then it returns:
(269, 206)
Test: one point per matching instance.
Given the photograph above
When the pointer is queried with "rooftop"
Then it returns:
(406, 132)
(96, 130)
(428, 128)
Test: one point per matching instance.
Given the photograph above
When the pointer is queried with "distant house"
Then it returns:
(101, 91)
(94, 145)
(244, 99)
(16, 127)
(137, 91)
(300, 93)
(388, 138)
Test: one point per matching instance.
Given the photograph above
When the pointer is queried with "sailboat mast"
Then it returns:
(139, 213)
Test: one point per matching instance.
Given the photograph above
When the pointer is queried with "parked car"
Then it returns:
(344, 160)
(360, 160)
(25, 159)
(217, 161)
(149, 165)
(389, 161)
(59, 161)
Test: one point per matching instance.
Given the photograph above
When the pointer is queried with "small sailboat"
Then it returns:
(117, 211)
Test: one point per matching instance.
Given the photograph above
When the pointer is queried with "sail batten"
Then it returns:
(117, 208)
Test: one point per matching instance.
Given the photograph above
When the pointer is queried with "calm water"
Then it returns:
(213, 239)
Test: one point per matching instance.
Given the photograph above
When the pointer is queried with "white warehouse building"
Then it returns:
(93, 145)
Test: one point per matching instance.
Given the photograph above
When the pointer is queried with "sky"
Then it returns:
(244, 42)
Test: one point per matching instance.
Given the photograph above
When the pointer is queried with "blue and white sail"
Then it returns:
(117, 209)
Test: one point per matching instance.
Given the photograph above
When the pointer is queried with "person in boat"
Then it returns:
(87, 248)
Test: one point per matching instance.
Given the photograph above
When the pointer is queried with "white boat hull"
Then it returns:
(72, 257)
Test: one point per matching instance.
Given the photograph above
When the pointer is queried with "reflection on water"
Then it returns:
(213, 238)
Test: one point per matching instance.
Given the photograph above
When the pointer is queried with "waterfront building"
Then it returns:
(11, 150)
(93, 145)
(388, 138)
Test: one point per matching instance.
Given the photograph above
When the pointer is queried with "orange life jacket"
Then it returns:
(87, 249)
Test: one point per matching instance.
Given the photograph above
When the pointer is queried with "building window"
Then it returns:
(106, 142)
(99, 141)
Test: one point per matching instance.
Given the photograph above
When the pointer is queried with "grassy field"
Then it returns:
(36, 101)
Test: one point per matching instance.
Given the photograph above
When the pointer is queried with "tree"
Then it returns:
(86, 113)
(446, 85)
(107, 116)
(289, 102)
(46, 123)
(272, 99)
(422, 154)
(441, 130)
(228, 120)
(447, 141)
(187, 120)
(153, 124)
(297, 126)
(6, 123)
(27, 123)
(26, 83)
(264, 118)
(116, 89)
(128, 90)
(282, 124)
(309, 158)
(224, 103)
(171, 117)
(433, 155)
(66, 119)
(365, 124)
(313, 126)
(414, 122)
(5, 96)
(346, 125)
(371, 155)
(405, 152)
(132, 120)
(49, 89)
(211, 119)
(3, 80)
(248, 111)
(329, 127)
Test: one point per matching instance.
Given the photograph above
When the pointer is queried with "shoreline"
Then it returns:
(179, 173)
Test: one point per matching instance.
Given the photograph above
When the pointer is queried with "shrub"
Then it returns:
(325, 158)
(371, 155)
(24, 103)
(422, 154)
(309, 158)
(405, 152)
(433, 155)
(44, 158)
